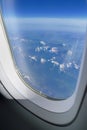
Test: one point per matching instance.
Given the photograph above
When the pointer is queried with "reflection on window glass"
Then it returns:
(47, 39)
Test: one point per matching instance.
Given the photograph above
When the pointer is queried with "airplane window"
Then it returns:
(47, 41)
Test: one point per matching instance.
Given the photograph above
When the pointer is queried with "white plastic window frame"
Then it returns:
(59, 112)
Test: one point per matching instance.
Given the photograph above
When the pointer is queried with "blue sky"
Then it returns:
(46, 8)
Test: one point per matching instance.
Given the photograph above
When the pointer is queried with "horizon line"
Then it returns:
(84, 18)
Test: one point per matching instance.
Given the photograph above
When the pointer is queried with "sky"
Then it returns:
(46, 8)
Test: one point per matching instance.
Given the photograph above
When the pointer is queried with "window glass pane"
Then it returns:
(47, 40)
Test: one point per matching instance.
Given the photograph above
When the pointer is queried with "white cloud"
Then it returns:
(22, 40)
(54, 50)
(53, 58)
(62, 67)
(44, 48)
(19, 39)
(69, 65)
(33, 58)
(76, 66)
(55, 63)
(43, 43)
(26, 77)
(43, 60)
(69, 53)
(38, 49)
